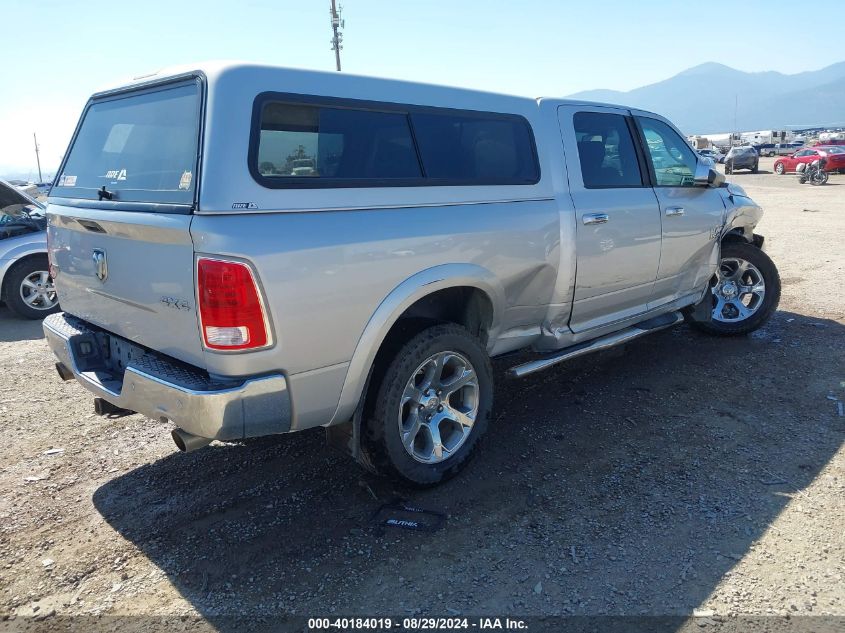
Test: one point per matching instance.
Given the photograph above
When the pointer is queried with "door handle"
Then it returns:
(595, 218)
(673, 212)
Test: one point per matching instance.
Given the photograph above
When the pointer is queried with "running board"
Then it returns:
(596, 345)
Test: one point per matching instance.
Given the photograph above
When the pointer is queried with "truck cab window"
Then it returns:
(673, 160)
(606, 151)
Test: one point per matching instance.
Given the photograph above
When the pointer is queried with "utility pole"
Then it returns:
(736, 103)
(337, 38)
(37, 158)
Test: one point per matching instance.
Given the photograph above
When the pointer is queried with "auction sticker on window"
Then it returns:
(185, 180)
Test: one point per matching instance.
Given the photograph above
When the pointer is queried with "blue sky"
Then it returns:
(62, 51)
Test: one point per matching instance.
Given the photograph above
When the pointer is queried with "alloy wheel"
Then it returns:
(38, 292)
(739, 291)
(438, 407)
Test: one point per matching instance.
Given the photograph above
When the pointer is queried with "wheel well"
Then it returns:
(5, 280)
(736, 235)
(464, 305)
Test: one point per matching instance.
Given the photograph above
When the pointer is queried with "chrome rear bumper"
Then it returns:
(158, 387)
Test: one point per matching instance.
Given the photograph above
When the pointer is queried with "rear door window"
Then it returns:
(142, 147)
(606, 151)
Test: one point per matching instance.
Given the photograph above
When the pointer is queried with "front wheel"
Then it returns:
(745, 292)
(729, 168)
(779, 169)
(432, 407)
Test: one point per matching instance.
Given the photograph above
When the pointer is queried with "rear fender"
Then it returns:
(395, 304)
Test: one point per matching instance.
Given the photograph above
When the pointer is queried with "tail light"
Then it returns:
(231, 312)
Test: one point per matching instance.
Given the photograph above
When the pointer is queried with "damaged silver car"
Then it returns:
(25, 284)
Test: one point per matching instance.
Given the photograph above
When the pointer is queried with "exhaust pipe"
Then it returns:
(187, 442)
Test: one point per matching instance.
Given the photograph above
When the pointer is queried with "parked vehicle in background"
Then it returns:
(741, 157)
(25, 284)
(784, 149)
(832, 138)
(834, 155)
(435, 228)
(713, 154)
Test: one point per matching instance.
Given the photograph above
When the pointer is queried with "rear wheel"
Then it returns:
(729, 167)
(432, 407)
(745, 292)
(820, 177)
(28, 290)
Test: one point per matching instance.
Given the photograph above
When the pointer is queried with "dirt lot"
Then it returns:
(686, 473)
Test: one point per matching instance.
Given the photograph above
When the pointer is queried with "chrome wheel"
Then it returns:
(38, 292)
(739, 291)
(438, 407)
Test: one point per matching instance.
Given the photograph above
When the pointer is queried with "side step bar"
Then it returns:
(603, 342)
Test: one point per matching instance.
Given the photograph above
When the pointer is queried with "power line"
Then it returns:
(337, 38)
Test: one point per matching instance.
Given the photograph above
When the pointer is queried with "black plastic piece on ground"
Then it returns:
(403, 515)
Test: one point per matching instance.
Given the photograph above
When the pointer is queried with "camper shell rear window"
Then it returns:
(141, 146)
(302, 141)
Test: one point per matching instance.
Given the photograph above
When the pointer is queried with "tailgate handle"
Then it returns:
(91, 226)
(595, 218)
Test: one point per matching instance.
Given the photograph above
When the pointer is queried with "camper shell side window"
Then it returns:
(302, 142)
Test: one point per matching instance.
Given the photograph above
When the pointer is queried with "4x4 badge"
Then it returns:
(101, 266)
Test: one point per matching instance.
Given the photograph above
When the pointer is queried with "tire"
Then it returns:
(28, 291)
(779, 169)
(771, 154)
(413, 395)
(821, 178)
(756, 168)
(729, 168)
(727, 318)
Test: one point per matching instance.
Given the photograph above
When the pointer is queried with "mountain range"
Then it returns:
(703, 99)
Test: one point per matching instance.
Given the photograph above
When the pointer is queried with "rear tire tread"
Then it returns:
(384, 448)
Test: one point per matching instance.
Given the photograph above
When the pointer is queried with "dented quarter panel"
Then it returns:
(325, 273)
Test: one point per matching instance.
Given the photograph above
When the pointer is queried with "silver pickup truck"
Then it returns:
(246, 250)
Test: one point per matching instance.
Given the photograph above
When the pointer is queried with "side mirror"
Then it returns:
(706, 176)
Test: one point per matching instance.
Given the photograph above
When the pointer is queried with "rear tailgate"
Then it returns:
(120, 215)
(147, 263)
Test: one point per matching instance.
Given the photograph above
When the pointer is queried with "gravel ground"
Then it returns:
(684, 474)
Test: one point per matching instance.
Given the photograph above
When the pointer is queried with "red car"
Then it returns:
(835, 155)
